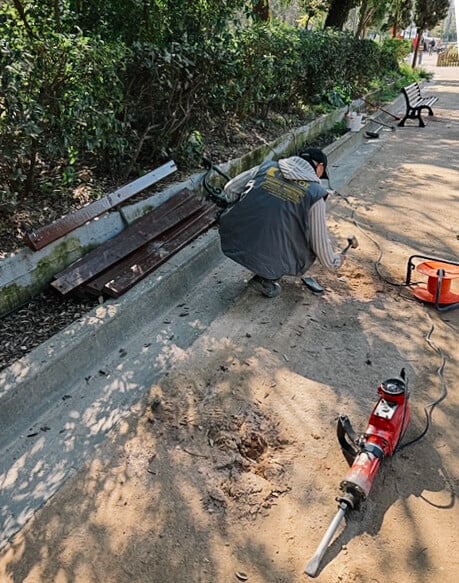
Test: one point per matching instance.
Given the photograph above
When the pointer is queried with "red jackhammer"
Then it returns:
(387, 425)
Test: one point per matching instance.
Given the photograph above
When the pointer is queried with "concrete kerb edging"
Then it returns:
(25, 273)
(37, 378)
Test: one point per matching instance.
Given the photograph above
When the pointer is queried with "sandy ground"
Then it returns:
(229, 469)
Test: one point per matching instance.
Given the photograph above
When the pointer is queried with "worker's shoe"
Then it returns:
(270, 288)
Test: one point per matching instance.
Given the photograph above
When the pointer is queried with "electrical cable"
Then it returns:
(377, 263)
(428, 409)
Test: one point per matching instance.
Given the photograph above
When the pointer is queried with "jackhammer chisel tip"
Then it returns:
(312, 568)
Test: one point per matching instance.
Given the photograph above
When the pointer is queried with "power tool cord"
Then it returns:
(377, 263)
(428, 409)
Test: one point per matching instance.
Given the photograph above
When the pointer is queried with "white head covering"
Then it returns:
(295, 168)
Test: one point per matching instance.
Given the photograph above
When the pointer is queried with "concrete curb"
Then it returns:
(25, 273)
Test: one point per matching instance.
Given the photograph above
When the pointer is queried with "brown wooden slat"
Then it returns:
(172, 203)
(45, 235)
(139, 261)
(138, 233)
(149, 258)
(129, 278)
(96, 285)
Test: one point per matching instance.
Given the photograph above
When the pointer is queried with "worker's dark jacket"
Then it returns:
(267, 230)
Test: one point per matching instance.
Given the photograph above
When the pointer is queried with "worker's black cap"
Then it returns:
(312, 155)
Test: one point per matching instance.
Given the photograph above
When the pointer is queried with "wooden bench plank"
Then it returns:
(172, 203)
(44, 236)
(96, 285)
(138, 233)
(143, 262)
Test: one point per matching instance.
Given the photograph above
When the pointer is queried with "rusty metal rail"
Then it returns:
(39, 238)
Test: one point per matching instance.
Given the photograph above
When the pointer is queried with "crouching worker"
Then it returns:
(277, 224)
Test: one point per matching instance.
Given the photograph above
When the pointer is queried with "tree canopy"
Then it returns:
(428, 13)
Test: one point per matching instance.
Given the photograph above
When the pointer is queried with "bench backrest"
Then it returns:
(412, 93)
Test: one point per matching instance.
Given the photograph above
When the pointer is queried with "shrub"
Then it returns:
(69, 99)
(61, 99)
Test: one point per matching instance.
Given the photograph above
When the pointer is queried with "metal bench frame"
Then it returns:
(415, 103)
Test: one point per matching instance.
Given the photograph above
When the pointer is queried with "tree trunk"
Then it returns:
(416, 48)
(57, 16)
(260, 10)
(338, 13)
(22, 15)
(366, 16)
(362, 18)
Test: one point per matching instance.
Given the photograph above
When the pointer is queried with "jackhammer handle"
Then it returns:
(351, 243)
(346, 249)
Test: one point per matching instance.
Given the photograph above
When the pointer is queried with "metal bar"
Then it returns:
(379, 122)
(313, 565)
(141, 183)
(380, 108)
(44, 236)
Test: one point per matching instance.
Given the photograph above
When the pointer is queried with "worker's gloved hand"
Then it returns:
(331, 191)
(343, 258)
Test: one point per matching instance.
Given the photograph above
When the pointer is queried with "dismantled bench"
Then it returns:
(142, 246)
(45, 235)
(116, 265)
(415, 103)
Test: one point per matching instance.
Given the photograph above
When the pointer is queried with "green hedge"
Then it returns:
(68, 99)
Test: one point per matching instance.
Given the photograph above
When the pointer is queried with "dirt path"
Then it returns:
(230, 471)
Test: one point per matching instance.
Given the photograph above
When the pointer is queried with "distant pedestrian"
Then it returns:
(431, 46)
(421, 49)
